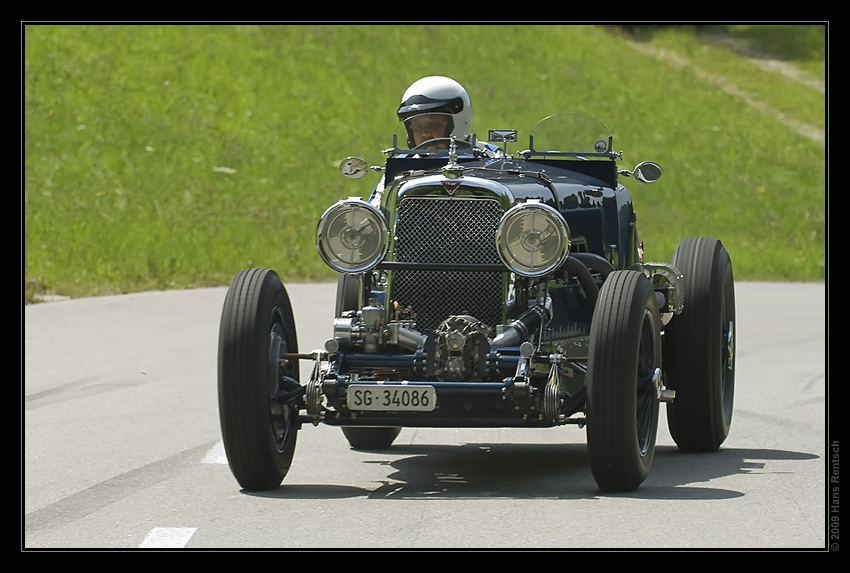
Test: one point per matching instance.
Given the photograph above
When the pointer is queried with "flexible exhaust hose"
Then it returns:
(576, 267)
(521, 329)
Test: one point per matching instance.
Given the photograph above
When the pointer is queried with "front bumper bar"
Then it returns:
(511, 403)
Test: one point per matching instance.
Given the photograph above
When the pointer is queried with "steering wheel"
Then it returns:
(441, 144)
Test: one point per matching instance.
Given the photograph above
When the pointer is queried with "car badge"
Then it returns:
(450, 186)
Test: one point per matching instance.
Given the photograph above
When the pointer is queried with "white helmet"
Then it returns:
(439, 94)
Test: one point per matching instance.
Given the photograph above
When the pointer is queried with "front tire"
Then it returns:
(623, 365)
(258, 428)
(699, 348)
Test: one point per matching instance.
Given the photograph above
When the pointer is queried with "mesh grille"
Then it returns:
(457, 231)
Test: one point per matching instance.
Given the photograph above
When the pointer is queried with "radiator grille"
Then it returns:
(458, 231)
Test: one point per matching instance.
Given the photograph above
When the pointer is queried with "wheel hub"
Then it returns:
(662, 394)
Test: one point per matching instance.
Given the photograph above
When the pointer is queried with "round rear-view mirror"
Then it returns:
(353, 167)
(647, 172)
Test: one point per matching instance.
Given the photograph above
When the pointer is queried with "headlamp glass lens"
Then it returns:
(352, 236)
(533, 239)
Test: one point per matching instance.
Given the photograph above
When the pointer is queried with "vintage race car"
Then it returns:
(485, 287)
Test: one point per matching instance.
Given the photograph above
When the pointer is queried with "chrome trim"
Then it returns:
(469, 187)
(552, 214)
(352, 204)
(666, 277)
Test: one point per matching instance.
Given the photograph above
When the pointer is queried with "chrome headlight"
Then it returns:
(533, 239)
(352, 236)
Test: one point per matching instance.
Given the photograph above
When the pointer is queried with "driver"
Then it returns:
(427, 127)
(448, 107)
(436, 107)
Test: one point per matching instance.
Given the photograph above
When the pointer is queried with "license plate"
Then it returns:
(391, 398)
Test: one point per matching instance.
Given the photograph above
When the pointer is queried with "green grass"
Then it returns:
(172, 156)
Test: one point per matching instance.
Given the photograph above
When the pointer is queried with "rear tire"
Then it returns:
(347, 293)
(360, 438)
(367, 438)
(259, 430)
(699, 349)
(623, 361)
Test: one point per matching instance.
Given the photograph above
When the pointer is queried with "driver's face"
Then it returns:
(427, 127)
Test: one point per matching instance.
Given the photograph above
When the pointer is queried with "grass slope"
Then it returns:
(172, 156)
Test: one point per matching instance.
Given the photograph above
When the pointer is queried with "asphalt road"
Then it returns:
(121, 449)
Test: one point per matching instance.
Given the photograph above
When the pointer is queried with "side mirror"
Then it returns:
(647, 172)
(353, 167)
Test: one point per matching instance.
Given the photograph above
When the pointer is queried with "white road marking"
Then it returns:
(216, 455)
(177, 537)
(167, 537)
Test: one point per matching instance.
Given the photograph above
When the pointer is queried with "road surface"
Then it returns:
(122, 449)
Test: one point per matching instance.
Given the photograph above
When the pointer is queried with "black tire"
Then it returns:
(623, 361)
(370, 438)
(347, 293)
(699, 348)
(360, 438)
(257, 327)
